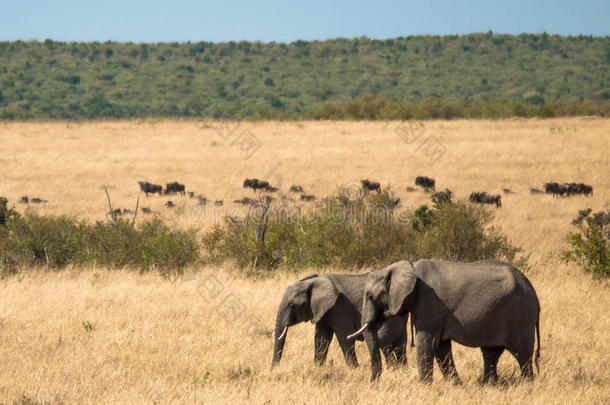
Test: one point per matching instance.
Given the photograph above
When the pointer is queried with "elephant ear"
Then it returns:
(401, 279)
(323, 295)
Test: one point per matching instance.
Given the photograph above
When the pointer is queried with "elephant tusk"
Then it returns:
(358, 332)
(283, 333)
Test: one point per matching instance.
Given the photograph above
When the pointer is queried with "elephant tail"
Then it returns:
(537, 356)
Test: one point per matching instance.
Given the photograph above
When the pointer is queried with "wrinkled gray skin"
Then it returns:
(487, 304)
(333, 303)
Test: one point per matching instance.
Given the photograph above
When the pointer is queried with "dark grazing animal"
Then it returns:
(486, 198)
(567, 189)
(191, 194)
(270, 189)
(218, 203)
(442, 197)
(308, 197)
(146, 210)
(555, 188)
(150, 188)
(255, 184)
(425, 182)
(536, 191)
(579, 188)
(202, 199)
(38, 200)
(24, 200)
(410, 189)
(170, 204)
(371, 185)
(245, 201)
(507, 191)
(174, 188)
(296, 189)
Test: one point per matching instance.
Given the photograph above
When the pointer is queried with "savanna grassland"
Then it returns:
(89, 335)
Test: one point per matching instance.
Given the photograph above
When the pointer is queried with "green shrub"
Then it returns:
(55, 242)
(590, 245)
(6, 213)
(352, 231)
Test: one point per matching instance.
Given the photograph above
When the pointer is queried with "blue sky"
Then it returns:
(286, 21)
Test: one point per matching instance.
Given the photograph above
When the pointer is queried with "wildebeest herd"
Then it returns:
(257, 185)
(427, 183)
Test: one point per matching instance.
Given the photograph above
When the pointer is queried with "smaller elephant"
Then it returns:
(487, 304)
(333, 303)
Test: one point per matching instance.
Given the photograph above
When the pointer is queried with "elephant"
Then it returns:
(487, 304)
(333, 303)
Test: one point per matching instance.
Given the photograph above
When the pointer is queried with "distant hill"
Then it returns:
(467, 75)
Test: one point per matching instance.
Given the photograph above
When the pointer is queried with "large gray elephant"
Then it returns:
(487, 304)
(333, 303)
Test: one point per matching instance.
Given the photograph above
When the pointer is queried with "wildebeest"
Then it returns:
(218, 203)
(555, 188)
(425, 182)
(579, 188)
(125, 211)
(507, 191)
(296, 189)
(202, 199)
(38, 200)
(150, 188)
(410, 189)
(567, 189)
(371, 185)
(24, 200)
(270, 189)
(442, 196)
(191, 194)
(486, 198)
(146, 210)
(255, 184)
(536, 191)
(170, 204)
(115, 213)
(245, 201)
(308, 197)
(173, 188)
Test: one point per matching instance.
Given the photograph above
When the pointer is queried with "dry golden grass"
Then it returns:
(91, 336)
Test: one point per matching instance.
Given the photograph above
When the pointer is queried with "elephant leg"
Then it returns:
(347, 347)
(425, 356)
(323, 336)
(444, 359)
(491, 355)
(524, 358)
(523, 351)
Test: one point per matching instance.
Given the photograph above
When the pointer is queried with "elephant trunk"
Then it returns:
(370, 315)
(372, 343)
(279, 338)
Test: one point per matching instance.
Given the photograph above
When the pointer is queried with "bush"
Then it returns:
(56, 242)
(6, 213)
(590, 245)
(355, 231)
